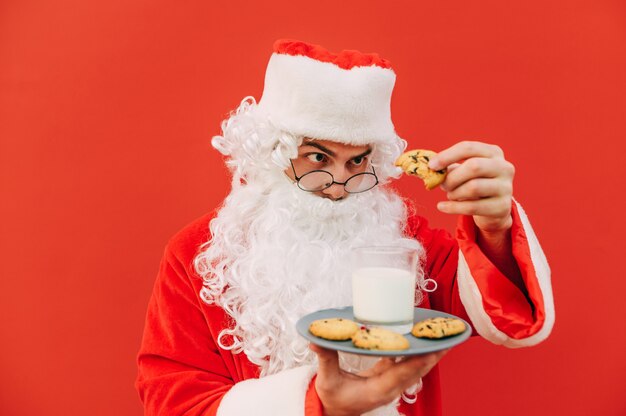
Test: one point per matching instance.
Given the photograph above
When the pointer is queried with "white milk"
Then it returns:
(383, 295)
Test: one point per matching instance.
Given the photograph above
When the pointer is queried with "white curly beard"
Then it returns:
(280, 254)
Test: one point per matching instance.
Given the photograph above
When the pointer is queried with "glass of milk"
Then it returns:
(383, 286)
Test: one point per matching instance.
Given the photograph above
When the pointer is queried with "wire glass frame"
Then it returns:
(318, 180)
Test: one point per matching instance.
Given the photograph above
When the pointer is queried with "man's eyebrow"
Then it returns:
(319, 146)
(365, 153)
(330, 152)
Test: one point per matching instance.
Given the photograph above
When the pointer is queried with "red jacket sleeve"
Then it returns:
(472, 287)
(180, 368)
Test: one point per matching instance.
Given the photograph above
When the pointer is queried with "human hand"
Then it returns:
(343, 393)
(479, 183)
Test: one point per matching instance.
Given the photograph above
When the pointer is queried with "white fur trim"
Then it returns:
(276, 395)
(320, 100)
(472, 299)
(390, 409)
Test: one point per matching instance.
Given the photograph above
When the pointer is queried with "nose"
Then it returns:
(337, 191)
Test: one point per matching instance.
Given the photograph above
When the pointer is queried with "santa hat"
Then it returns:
(344, 97)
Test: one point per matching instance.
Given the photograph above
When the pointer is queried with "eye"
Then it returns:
(316, 157)
(358, 161)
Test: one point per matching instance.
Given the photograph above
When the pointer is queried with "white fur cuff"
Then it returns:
(472, 299)
(280, 394)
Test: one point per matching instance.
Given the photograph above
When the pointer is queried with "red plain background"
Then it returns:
(106, 114)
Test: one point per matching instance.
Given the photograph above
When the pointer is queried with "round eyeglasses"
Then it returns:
(318, 180)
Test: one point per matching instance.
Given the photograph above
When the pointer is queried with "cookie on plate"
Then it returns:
(379, 339)
(334, 329)
(415, 162)
(439, 327)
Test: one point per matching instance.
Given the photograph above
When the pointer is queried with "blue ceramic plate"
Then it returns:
(417, 345)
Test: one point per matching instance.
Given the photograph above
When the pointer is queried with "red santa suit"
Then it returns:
(345, 97)
(183, 371)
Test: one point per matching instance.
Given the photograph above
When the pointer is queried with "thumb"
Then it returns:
(328, 361)
(380, 367)
(450, 168)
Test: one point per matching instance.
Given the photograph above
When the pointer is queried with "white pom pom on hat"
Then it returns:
(343, 97)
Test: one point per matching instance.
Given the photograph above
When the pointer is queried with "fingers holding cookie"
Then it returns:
(499, 171)
(479, 183)
(477, 188)
(415, 162)
(469, 160)
(462, 151)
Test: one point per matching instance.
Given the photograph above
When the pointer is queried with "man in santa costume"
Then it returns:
(309, 165)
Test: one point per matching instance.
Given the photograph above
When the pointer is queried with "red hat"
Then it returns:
(344, 97)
